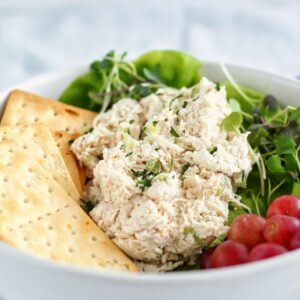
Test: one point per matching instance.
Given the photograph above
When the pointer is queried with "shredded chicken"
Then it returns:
(163, 172)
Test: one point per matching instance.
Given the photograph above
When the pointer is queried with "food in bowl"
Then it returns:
(163, 172)
(168, 160)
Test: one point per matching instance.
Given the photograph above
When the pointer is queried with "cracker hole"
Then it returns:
(48, 244)
(85, 124)
(50, 227)
(70, 249)
(10, 150)
(35, 119)
(25, 201)
(28, 185)
(34, 135)
(50, 190)
(30, 222)
(115, 261)
(3, 195)
(74, 217)
(93, 255)
(55, 113)
(25, 147)
(67, 205)
(25, 239)
(23, 105)
(73, 232)
(39, 218)
(30, 170)
(48, 214)
(71, 112)
(5, 179)
(108, 263)
(94, 239)
(58, 135)
(1, 211)
(67, 129)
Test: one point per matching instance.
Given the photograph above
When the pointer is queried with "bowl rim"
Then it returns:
(147, 278)
(45, 76)
(210, 275)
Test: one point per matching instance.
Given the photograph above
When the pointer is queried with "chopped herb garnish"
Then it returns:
(219, 240)
(184, 104)
(174, 133)
(131, 121)
(176, 97)
(71, 142)
(154, 123)
(219, 191)
(171, 163)
(128, 154)
(162, 176)
(153, 165)
(188, 230)
(197, 239)
(89, 131)
(144, 177)
(213, 150)
(128, 131)
(144, 183)
(139, 173)
(218, 86)
(185, 168)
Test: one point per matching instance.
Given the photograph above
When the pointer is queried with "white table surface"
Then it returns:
(39, 36)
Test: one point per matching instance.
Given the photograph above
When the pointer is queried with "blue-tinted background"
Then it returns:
(39, 36)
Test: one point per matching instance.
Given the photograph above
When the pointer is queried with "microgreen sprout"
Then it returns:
(248, 99)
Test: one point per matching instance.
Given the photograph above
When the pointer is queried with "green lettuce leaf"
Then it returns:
(173, 68)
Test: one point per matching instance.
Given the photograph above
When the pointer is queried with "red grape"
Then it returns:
(279, 229)
(266, 250)
(230, 253)
(285, 205)
(247, 229)
(206, 259)
(295, 241)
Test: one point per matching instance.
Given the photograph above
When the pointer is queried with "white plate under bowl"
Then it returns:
(23, 277)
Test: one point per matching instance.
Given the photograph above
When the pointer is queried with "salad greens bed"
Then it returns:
(114, 78)
(274, 130)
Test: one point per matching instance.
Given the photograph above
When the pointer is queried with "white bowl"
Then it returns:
(23, 277)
